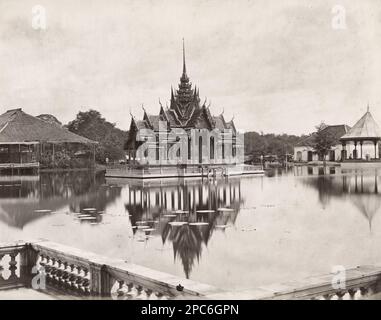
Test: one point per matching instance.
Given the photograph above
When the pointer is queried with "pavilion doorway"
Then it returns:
(332, 155)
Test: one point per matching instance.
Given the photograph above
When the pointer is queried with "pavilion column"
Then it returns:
(360, 149)
(355, 151)
(375, 149)
(343, 151)
(53, 155)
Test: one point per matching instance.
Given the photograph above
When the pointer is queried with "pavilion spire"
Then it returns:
(184, 64)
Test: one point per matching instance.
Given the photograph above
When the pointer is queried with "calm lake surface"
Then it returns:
(279, 227)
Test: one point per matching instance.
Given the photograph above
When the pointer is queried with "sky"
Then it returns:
(275, 66)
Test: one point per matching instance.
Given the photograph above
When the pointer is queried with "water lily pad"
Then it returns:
(198, 224)
(42, 211)
(248, 229)
(180, 211)
(177, 223)
(225, 209)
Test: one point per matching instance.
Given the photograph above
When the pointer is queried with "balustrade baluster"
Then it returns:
(139, 290)
(13, 265)
(340, 295)
(352, 293)
(120, 292)
(1, 264)
(327, 296)
(148, 293)
(363, 291)
(1, 267)
(159, 295)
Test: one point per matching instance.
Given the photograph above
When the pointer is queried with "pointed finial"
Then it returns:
(232, 117)
(184, 66)
(143, 107)
(223, 110)
(367, 108)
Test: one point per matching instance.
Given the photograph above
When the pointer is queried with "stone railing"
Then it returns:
(72, 272)
(357, 283)
(13, 259)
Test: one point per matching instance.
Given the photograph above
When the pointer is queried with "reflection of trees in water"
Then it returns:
(69, 183)
(152, 205)
(360, 187)
(22, 195)
(47, 185)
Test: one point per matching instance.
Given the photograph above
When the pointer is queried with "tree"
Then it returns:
(324, 140)
(257, 144)
(91, 125)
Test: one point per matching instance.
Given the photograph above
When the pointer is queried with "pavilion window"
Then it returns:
(211, 148)
(200, 149)
(157, 148)
(189, 148)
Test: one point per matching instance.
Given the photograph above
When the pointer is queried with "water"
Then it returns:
(288, 224)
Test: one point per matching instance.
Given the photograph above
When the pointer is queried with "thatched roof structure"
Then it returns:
(16, 126)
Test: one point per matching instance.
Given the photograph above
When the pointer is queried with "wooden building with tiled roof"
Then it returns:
(27, 141)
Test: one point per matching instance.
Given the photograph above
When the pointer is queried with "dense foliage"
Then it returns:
(324, 140)
(91, 125)
(257, 144)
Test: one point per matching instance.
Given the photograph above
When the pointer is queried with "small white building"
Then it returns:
(305, 152)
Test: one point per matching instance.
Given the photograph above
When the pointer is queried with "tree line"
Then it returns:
(92, 125)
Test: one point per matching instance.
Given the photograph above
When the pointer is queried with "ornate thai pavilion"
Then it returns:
(185, 112)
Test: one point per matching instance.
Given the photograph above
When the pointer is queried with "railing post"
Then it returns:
(100, 280)
(28, 260)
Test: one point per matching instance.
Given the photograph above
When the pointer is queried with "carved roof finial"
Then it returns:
(184, 65)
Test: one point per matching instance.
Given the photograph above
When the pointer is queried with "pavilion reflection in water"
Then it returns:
(184, 213)
(361, 187)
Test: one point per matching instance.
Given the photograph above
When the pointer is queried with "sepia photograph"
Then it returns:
(190, 151)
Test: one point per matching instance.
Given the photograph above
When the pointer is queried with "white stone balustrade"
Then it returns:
(73, 272)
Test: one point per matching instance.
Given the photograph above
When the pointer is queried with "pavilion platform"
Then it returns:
(169, 172)
(361, 164)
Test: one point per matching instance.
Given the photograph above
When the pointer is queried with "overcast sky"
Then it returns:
(277, 66)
